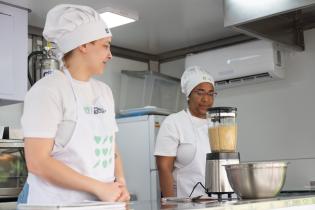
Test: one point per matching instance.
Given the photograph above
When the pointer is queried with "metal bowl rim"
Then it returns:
(269, 164)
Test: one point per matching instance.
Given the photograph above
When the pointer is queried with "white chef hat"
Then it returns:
(70, 26)
(192, 77)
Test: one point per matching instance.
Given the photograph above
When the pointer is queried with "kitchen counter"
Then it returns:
(285, 202)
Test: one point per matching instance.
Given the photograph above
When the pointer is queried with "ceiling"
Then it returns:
(163, 25)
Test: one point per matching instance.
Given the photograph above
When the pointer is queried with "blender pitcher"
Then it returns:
(222, 129)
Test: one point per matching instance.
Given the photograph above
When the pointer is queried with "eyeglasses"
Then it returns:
(202, 93)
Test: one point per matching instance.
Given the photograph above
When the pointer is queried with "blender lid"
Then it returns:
(223, 155)
(221, 109)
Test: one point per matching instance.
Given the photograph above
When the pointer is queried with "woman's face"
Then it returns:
(200, 99)
(98, 53)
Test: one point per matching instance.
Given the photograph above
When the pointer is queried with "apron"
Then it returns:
(90, 152)
(193, 170)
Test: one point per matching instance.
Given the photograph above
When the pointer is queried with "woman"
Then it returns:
(182, 142)
(69, 119)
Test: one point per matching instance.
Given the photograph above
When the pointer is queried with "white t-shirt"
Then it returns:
(50, 109)
(177, 137)
(174, 131)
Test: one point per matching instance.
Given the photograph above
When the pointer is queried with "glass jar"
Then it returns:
(222, 129)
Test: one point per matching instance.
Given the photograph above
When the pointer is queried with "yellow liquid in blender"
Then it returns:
(223, 138)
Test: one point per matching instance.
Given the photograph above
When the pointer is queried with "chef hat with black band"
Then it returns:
(70, 26)
(192, 77)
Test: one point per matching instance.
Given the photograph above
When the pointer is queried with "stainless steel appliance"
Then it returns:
(216, 178)
(223, 139)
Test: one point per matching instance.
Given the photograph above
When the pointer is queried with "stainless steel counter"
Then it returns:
(291, 202)
(295, 202)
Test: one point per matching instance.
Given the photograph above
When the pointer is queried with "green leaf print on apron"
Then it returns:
(103, 151)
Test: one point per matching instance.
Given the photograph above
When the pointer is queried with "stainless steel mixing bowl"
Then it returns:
(257, 179)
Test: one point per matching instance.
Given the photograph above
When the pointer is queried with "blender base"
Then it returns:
(221, 195)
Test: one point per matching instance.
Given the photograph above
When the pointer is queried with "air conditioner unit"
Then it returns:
(246, 63)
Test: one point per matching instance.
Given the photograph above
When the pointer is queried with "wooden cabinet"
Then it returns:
(13, 53)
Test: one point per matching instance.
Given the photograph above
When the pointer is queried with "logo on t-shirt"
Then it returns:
(94, 110)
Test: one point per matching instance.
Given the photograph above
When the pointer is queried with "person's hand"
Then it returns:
(125, 196)
(109, 191)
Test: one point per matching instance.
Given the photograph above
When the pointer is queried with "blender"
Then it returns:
(222, 131)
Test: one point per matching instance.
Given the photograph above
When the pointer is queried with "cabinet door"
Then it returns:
(6, 54)
(13, 53)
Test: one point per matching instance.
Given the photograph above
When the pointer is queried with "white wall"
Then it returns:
(278, 113)
(277, 119)
(175, 69)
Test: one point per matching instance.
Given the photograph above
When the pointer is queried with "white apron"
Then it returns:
(191, 155)
(90, 152)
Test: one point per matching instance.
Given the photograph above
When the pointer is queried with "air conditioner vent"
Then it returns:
(243, 80)
(249, 78)
(221, 82)
(235, 80)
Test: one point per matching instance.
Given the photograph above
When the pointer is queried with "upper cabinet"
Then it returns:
(13, 53)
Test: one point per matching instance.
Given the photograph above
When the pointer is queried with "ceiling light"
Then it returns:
(114, 18)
